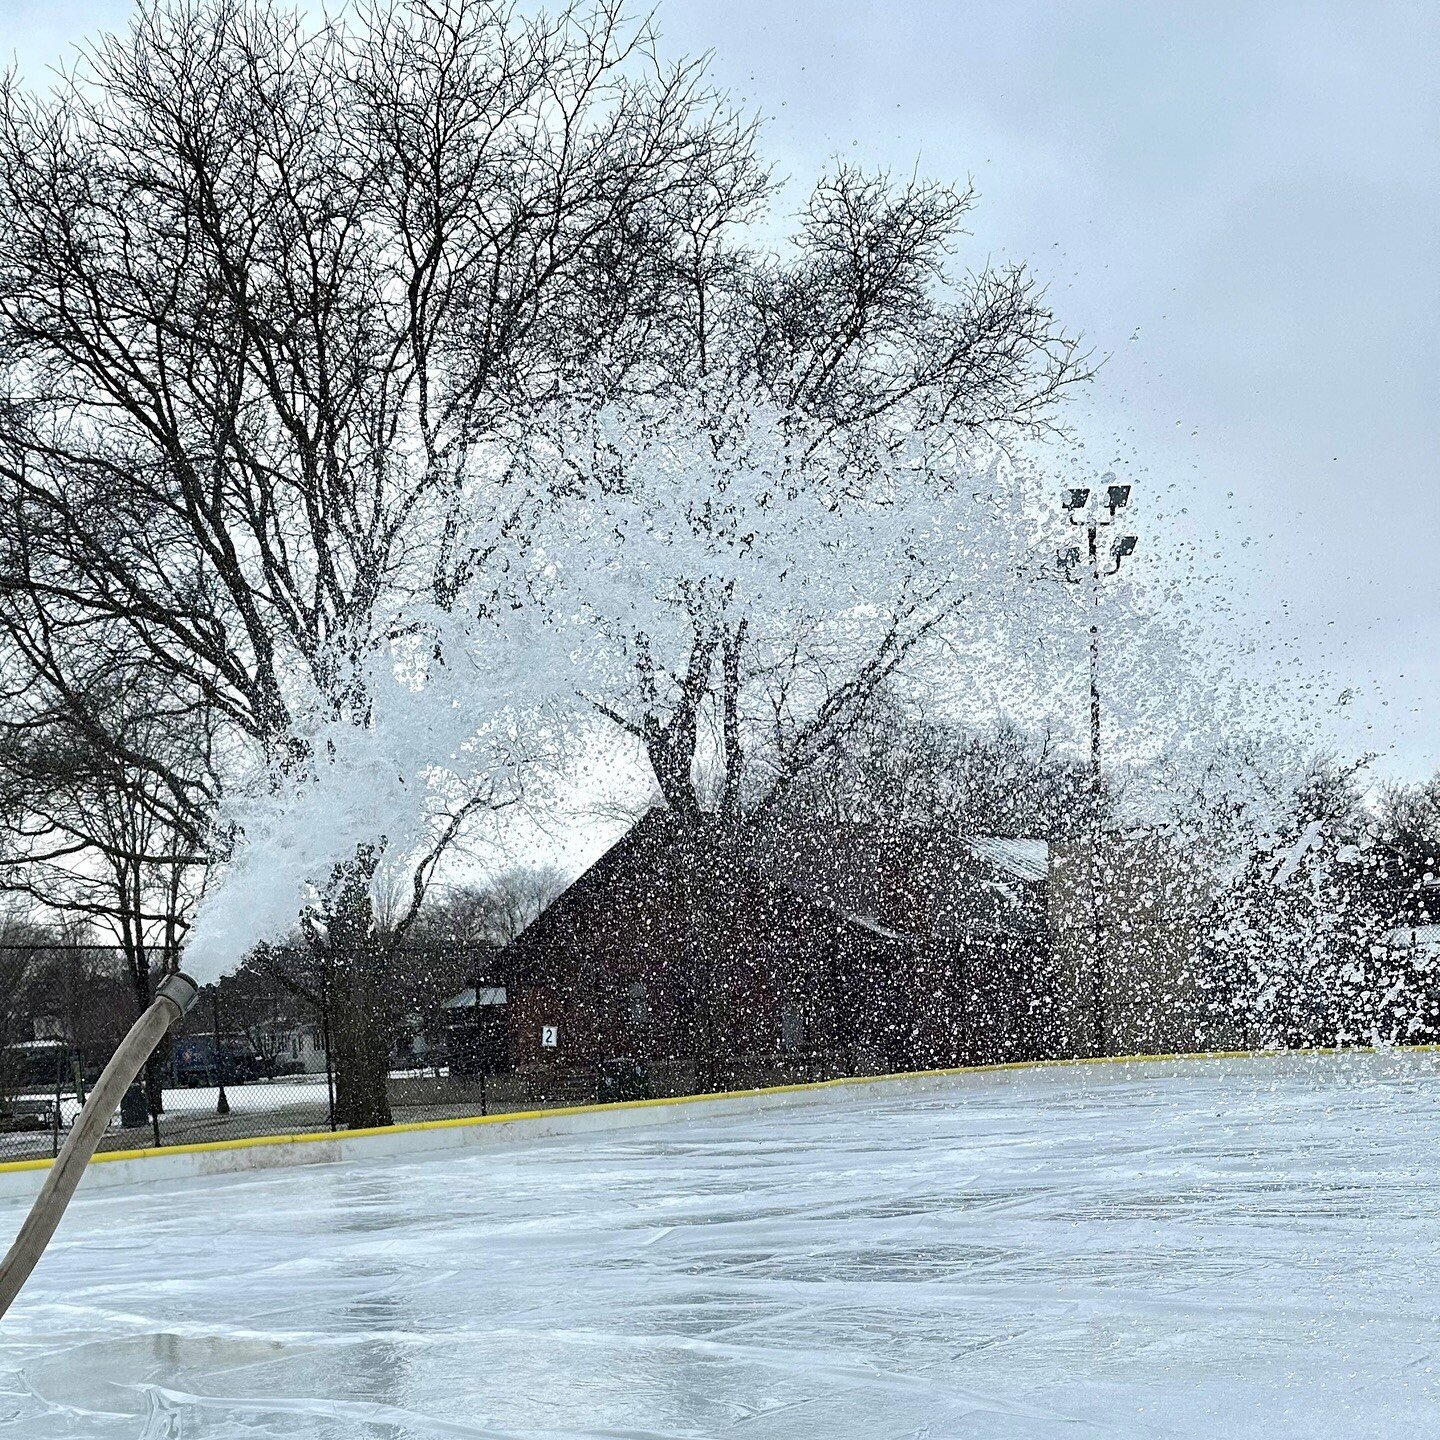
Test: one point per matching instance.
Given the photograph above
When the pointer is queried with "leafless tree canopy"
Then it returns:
(899, 768)
(265, 285)
(863, 317)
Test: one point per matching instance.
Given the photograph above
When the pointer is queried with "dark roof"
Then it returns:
(892, 883)
(659, 841)
(904, 878)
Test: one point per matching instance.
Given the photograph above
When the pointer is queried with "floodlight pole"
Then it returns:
(1080, 512)
(1095, 779)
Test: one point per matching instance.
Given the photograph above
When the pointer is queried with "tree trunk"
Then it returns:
(139, 963)
(358, 1029)
(361, 1055)
(731, 793)
(671, 756)
(671, 745)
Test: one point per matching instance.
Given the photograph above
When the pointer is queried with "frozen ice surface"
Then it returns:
(1174, 1249)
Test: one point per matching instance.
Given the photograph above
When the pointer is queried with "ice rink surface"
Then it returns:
(1213, 1248)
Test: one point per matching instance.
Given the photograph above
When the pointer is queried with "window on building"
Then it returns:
(639, 1002)
(792, 1028)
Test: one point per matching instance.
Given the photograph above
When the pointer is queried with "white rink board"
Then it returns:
(1197, 1248)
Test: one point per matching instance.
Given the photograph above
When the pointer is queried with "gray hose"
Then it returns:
(175, 995)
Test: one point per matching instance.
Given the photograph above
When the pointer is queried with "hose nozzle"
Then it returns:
(180, 990)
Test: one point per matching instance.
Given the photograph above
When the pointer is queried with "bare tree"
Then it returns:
(489, 914)
(92, 837)
(42, 977)
(1299, 917)
(1409, 819)
(901, 767)
(861, 325)
(19, 967)
(263, 288)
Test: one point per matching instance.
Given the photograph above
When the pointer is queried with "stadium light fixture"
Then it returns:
(1078, 566)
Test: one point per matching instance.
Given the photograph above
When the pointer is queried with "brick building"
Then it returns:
(878, 949)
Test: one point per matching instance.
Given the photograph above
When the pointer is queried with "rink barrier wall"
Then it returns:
(20, 1179)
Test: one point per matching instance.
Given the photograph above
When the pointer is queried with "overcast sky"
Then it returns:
(1235, 203)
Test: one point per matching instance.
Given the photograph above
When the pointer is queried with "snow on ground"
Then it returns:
(1237, 1248)
(298, 1102)
(259, 1097)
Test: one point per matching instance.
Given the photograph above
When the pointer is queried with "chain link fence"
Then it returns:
(254, 1057)
(251, 1059)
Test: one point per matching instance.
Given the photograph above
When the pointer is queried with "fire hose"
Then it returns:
(173, 997)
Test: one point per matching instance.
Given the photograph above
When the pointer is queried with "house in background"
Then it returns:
(291, 1048)
(877, 948)
(881, 948)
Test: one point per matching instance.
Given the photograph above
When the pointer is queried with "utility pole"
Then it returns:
(1075, 565)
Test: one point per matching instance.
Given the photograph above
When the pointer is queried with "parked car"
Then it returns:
(37, 1112)
(193, 1061)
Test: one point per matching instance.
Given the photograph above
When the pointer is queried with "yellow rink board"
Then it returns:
(804, 1087)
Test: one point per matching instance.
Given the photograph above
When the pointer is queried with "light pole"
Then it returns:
(1075, 565)
(222, 1103)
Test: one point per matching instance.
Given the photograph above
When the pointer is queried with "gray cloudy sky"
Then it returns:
(1235, 203)
(1238, 205)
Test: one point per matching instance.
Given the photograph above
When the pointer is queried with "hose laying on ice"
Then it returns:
(174, 996)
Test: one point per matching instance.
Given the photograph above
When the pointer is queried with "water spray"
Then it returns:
(174, 996)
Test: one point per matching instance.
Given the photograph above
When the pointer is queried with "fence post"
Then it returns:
(325, 1040)
(222, 1102)
(157, 1094)
(59, 1073)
